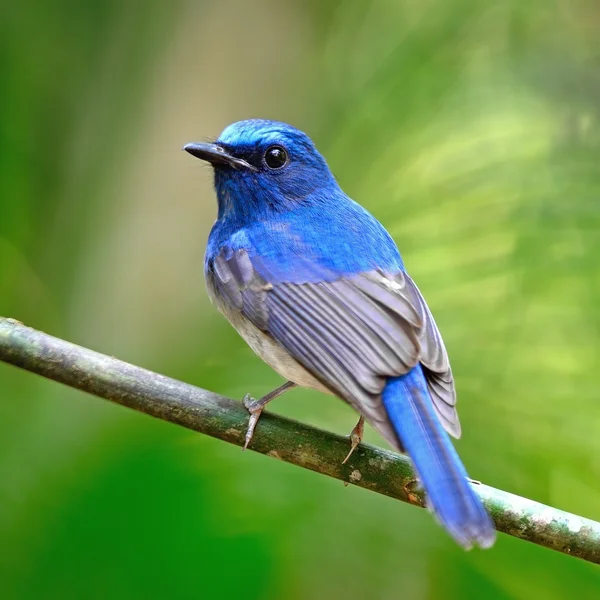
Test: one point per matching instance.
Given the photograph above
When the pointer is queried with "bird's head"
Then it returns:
(264, 166)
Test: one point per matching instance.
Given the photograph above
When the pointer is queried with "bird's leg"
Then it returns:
(255, 407)
(356, 436)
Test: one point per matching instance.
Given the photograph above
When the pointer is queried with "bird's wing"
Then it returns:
(351, 333)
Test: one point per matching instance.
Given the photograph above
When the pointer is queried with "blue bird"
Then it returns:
(317, 288)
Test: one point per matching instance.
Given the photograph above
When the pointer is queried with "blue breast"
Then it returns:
(318, 240)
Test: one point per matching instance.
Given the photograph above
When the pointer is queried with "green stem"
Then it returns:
(372, 468)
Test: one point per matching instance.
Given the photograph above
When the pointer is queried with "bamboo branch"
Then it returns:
(372, 468)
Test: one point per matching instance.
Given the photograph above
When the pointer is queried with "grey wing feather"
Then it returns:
(351, 334)
(238, 283)
(436, 367)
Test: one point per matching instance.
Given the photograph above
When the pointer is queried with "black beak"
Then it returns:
(216, 155)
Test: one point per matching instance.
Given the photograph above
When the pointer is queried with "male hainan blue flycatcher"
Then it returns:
(317, 288)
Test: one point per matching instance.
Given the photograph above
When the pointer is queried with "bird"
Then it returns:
(317, 288)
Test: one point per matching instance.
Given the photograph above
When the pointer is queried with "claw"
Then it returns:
(355, 442)
(255, 409)
(355, 436)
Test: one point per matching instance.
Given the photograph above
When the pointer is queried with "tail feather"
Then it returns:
(449, 493)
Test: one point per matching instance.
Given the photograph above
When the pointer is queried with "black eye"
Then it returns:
(276, 157)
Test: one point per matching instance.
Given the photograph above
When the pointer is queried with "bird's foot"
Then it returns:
(356, 436)
(255, 408)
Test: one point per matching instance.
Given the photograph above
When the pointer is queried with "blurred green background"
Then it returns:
(470, 128)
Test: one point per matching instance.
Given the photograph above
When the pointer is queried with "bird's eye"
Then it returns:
(276, 157)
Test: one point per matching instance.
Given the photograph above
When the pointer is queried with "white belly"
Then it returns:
(271, 352)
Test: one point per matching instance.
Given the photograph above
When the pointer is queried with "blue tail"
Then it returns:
(410, 409)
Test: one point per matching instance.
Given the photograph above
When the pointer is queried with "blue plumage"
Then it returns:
(441, 471)
(317, 288)
(356, 240)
